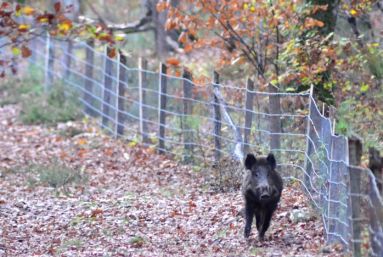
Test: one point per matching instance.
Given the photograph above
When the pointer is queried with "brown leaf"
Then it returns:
(112, 53)
(25, 52)
(173, 61)
(57, 7)
(183, 37)
(188, 47)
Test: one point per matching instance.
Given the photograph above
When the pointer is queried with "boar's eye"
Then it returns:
(256, 174)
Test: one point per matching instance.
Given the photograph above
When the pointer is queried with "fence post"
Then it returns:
(217, 123)
(49, 62)
(376, 206)
(188, 110)
(274, 121)
(107, 87)
(248, 115)
(162, 107)
(355, 155)
(89, 76)
(120, 95)
(142, 83)
(68, 59)
(309, 146)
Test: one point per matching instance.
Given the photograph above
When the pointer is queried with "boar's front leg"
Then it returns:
(258, 217)
(266, 220)
(249, 219)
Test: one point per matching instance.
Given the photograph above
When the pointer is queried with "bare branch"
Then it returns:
(143, 24)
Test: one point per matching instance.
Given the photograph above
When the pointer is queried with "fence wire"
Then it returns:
(310, 152)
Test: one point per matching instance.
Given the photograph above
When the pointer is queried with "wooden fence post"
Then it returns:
(120, 95)
(248, 115)
(162, 107)
(89, 76)
(107, 87)
(49, 63)
(217, 123)
(188, 110)
(309, 144)
(142, 83)
(355, 155)
(274, 121)
(68, 58)
(376, 207)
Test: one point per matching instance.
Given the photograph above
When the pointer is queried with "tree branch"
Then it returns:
(143, 24)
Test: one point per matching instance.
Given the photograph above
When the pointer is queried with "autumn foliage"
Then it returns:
(279, 39)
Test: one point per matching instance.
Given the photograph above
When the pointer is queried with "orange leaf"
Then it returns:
(25, 52)
(192, 204)
(58, 139)
(57, 6)
(112, 53)
(231, 225)
(159, 6)
(108, 152)
(188, 47)
(319, 23)
(270, 46)
(323, 7)
(173, 61)
(82, 141)
(183, 37)
(63, 155)
(29, 11)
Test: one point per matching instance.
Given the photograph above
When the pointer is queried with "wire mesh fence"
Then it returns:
(215, 123)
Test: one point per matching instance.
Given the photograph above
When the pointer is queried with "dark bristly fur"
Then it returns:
(261, 189)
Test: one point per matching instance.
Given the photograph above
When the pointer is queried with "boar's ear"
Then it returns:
(271, 159)
(250, 161)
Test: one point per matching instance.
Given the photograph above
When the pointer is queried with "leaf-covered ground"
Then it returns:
(131, 202)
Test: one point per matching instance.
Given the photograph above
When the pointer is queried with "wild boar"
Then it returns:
(262, 188)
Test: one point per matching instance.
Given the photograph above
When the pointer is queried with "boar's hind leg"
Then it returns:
(266, 221)
(249, 219)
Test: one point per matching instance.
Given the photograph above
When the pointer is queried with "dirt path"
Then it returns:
(133, 203)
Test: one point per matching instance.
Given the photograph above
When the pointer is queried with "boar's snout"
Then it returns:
(264, 192)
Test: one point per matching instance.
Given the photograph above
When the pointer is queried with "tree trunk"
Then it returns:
(162, 36)
(329, 18)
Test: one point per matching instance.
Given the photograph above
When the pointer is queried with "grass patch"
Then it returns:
(60, 105)
(55, 175)
(136, 240)
(12, 88)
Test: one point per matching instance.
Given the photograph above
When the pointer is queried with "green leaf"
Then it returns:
(15, 50)
(365, 88)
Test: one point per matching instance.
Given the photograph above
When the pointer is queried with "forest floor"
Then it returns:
(68, 190)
